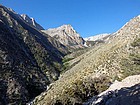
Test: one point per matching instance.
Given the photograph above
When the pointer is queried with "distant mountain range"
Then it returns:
(96, 39)
(67, 36)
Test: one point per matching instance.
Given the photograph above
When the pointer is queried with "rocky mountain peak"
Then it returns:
(69, 30)
(25, 17)
(32, 22)
(66, 35)
(130, 29)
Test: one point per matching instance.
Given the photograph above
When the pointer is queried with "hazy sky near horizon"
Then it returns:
(88, 17)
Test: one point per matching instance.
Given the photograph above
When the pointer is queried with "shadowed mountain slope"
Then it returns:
(29, 61)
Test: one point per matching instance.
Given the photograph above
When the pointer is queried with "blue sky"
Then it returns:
(88, 17)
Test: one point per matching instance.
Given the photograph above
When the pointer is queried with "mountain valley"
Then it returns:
(57, 66)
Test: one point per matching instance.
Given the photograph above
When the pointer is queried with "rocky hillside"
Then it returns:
(66, 35)
(126, 92)
(29, 61)
(114, 60)
(32, 22)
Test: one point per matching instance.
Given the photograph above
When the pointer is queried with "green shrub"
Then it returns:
(131, 66)
(66, 60)
(65, 67)
(136, 43)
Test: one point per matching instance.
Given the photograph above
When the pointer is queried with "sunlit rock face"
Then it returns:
(66, 35)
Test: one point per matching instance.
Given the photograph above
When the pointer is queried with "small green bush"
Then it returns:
(131, 66)
(136, 43)
(66, 60)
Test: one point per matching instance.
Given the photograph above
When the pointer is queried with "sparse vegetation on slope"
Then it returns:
(77, 92)
(131, 65)
(104, 60)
